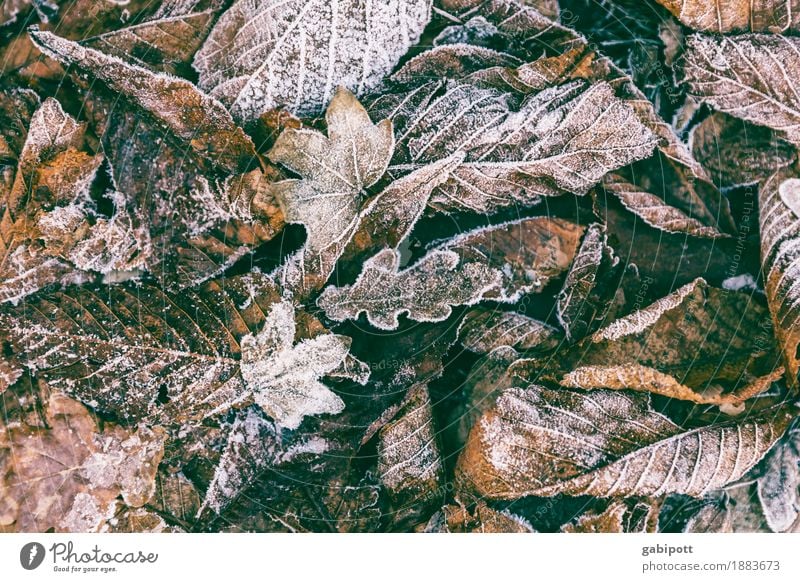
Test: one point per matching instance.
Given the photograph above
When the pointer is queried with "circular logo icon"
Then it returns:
(31, 555)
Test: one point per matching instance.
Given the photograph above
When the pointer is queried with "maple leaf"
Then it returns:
(336, 171)
(283, 377)
(264, 54)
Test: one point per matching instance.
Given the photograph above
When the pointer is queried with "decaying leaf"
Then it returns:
(50, 229)
(482, 519)
(780, 227)
(336, 171)
(578, 303)
(752, 77)
(699, 344)
(66, 476)
(778, 483)
(606, 443)
(621, 516)
(265, 53)
(410, 465)
(725, 17)
(426, 291)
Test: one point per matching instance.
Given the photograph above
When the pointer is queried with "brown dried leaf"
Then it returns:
(606, 443)
(66, 476)
(581, 302)
(482, 519)
(736, 152)
(621, 516)
(267, 54)
(410, 465)
(167, 40)
(697, 344)
(775, 16)
(529, 253)
(485, 329)
(752, 77)
(336, 171)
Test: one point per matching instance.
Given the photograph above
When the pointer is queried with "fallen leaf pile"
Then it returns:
(422, 265)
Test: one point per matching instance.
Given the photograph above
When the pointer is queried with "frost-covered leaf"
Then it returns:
(482, 519)
(484, 329)
(563, 138)
(606, 443)
(200, 122)
(778, 484)
(752, 77)
(335, 170)
(425, 291)
(50, 227)
(621, 516)
(736, 152)
(264, 54)
(166, 41)
(579, 304)
(653, 210)
(284, 377)
(701, 344)
(67, 475)
(529, 253)
(775, 16)
(140, 352)
(780, 233)
(410, 465)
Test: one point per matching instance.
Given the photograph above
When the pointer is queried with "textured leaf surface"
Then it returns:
(268, 53)
(753, 77)
(544, 442)
(675, 347)
(67, 475)
(723, 16)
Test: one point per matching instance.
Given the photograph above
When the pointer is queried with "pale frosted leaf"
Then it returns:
(284, 378)
(605, 443)
(68, 475)
(696, 344)
(653, 210)
(335, 170)
(780, 258)
(779, 484)
(578, 304)
(426, 291)
(264, 54)
(482, 519)
(484, 329)
(753, 77)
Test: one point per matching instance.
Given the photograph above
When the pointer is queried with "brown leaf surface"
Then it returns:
(697, 344)
(66, 476)
(727, 16)
(544, 442)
